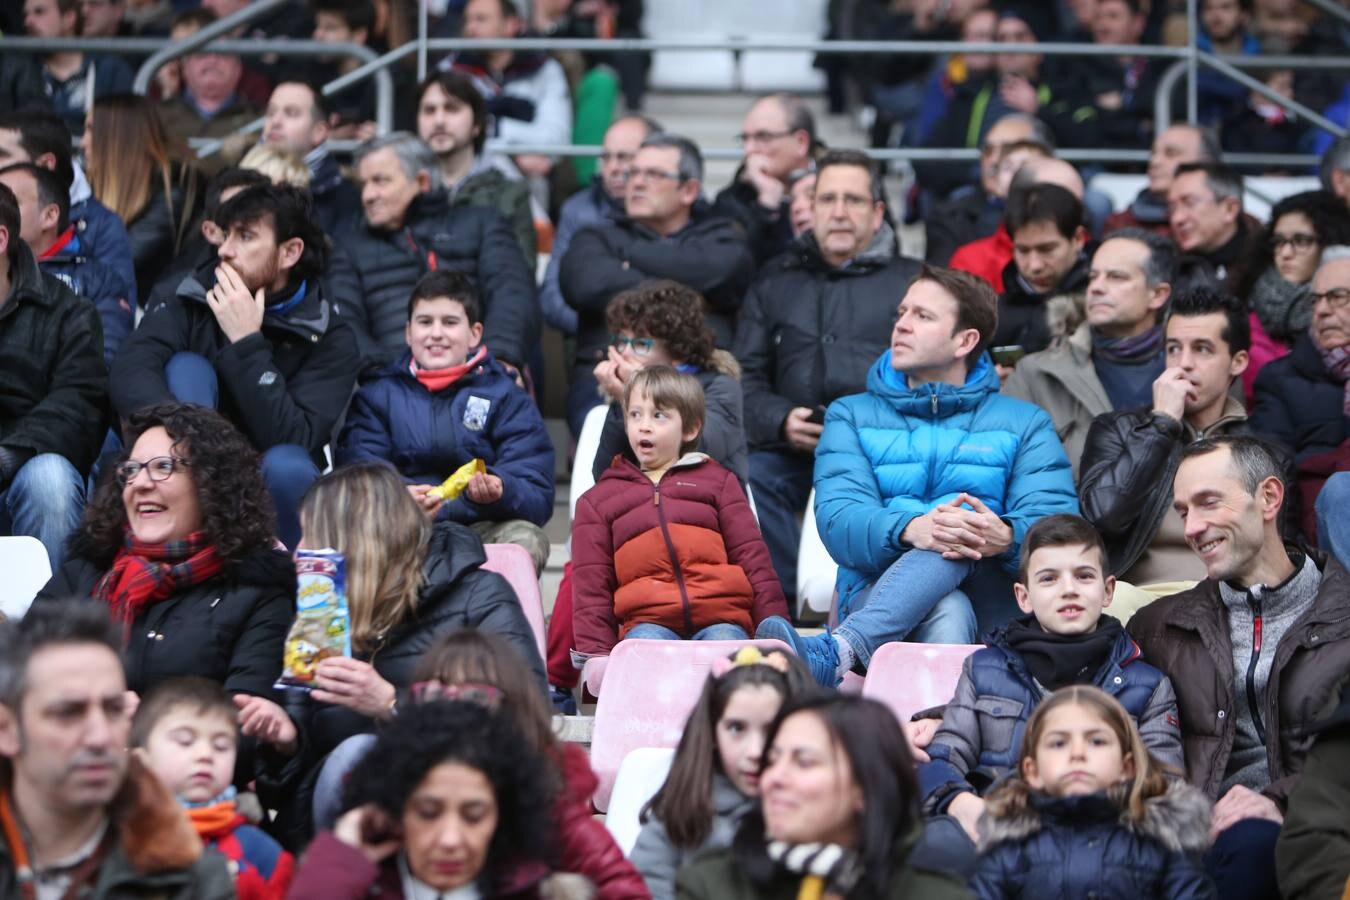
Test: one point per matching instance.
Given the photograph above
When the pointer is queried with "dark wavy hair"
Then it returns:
(1327, 214)
(883, 769)
(237, 511)
(424, 736)
(668, 311)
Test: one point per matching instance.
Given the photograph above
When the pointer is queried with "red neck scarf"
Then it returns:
(143, 574)
(436, 380)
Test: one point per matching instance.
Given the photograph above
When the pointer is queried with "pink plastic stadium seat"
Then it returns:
(650, 688)
(513, 562)
(913, 677)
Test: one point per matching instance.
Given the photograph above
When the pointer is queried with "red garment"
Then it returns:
(1126, 219)
(261, 869)
(1313, 473)
(1265, 349)
(987, 257)
(59, 244)
(143, 574)
(561, 672)
(585, 845)
(686, 554)
(436, 380)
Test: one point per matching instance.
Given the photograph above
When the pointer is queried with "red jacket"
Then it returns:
(1264, 349)
(987, 257)
(685, 553)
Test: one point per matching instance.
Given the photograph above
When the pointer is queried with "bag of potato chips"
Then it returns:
(452, 487)
(323, 624)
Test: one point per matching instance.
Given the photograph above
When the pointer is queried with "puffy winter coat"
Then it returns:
(380, 268)
(808, 330)
(230, 629)
(53, 384)
(1023, 317)
(895, 452)
(591, 206)
(987, 257)
(710, 255)
(97, 282)
(1313, 854)
(1298, 403)
(286, 384)
(957, 222)
(486, 185)
(158, 232)
(983, 725)
(529, 100)
(769, 231)
(658, 858)
(429, 435)
(685, 553)
(337, 202)
(585, 846)
(101, 232)
(1086, 846)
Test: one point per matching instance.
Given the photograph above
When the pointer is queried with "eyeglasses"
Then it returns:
(654, 175)
(1337, 297)
(851, 201)
(159, 469)
(760, 137)
(607, 156)
(1300, 241)
(640, 346)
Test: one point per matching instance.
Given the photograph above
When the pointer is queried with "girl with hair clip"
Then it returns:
(714, 779)
(1092, 813)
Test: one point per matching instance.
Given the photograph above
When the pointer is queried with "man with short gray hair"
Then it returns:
(1204, 207)
(409, 228)
(1172, 147)
(668, 231)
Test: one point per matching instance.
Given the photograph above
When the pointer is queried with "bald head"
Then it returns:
(1048, 170)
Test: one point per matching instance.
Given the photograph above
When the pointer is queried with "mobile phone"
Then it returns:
(1008, 355)
(817, 416)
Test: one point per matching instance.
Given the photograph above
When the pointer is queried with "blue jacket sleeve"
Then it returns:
(855, 524)
(995, 874)
(555, 309)
(104, 237)
(113, 298)
(366, 435)
(1041, 483)
(524, 464)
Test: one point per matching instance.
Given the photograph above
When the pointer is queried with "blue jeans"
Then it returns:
(287, 468)
(915, 599)
(1242, 860)
(1333, 517)
(781, 482)
(44, 501)
(722, 631)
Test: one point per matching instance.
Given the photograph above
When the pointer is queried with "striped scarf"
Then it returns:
(143, 574)
(1337, 361)
(825, 868)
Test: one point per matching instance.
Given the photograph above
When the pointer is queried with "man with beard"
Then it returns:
(80, 816)
(257, 338)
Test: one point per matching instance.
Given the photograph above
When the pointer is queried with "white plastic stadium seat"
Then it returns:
(26, 568)
(1259, 193)
(588, 444)
(816, 569)
(641, 775)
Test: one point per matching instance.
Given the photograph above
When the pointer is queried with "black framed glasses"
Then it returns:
(1300, 241)
(1337, 297)
(159, 469)
(640, 346)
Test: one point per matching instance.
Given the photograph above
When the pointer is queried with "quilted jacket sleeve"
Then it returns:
(1041, 483)
(954, 750)
(595, 628)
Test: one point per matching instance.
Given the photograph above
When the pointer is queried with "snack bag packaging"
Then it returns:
(323, 625)
(452, 487)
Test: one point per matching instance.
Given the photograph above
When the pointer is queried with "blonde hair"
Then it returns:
(1150, 776)
(674, 390)
(365, 512)
(280, 166)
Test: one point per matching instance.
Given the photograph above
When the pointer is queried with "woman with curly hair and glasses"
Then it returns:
(452, 802)
(661, 323)
(179, 543)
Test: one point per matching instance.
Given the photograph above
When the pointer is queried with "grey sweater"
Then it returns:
(1279, 608)
(658, 859)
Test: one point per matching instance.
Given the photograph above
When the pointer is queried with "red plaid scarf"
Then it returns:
(143, 574)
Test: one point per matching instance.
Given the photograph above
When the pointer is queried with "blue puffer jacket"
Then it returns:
(895, 452)
(982, 726)
(427, 436)
(102, 234)
(99, 283)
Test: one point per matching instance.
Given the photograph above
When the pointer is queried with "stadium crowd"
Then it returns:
(1106, 449)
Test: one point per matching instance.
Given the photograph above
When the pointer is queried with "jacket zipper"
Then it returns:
(674, 562)
(1251, 669)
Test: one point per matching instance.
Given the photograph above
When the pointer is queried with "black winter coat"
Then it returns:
(287, 384)
(955, 223)
(337, 202)
(1022, 319)
(809, 331)
(379, 270)
(53, 384)
(1068, 848)
(710, 255)
(230, 629)
(769, 231)
(1298, 404)
(157, 233)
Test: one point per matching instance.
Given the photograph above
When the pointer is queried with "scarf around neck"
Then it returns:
(826, 868)
(1129, 351)
(436, 380)
(143, 574)
(1337, 361)
(1057, 660)
(1282, 308)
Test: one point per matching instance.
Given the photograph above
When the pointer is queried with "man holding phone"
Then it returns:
(842, 278)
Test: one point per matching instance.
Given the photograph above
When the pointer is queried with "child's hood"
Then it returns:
(623, 467)
(1178, 818)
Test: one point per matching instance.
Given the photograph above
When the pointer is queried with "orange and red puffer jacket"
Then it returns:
(685, 553)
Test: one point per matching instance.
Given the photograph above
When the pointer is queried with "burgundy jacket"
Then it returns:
(685, 553)
(585, 845)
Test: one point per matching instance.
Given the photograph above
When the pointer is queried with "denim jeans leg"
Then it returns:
(1242, 860)
(781, 482)
(900, 599)
(1333, 517)
(44, 501)
(289, 472)
(646, 631)
(192, 379)
(722, 631)
(952, 621)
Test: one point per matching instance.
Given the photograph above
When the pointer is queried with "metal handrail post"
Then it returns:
(1192, 59)
(422, 35)
(1261, 88)
(1162, 96)
(199, 39)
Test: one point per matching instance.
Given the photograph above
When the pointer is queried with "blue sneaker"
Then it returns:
(819, 652)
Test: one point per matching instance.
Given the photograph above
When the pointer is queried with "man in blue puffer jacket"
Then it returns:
(446, 401)
(924, 479)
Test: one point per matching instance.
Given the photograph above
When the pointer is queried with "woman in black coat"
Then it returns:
(180, 544)
(409, 582)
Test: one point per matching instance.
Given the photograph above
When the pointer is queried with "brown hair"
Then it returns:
(1060, 530)
(668, 311)
(976, 304)
(669, 389)
(364, 511)
(202, 695)
(1150, 776)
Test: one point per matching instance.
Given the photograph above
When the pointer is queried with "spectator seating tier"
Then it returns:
(910, 678)
(641, 775)
(26, 568)
(513, 563)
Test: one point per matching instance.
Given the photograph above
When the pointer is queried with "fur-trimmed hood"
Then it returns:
(1177, 819)
(152, 831)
